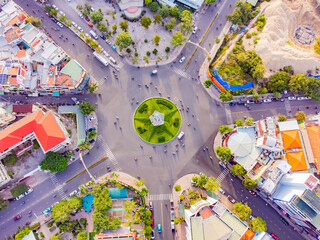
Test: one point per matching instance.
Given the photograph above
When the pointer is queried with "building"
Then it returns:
(210, 220)
(194, 4)
(119, 236)
(5, 117)
(297, 194)
(45, 128)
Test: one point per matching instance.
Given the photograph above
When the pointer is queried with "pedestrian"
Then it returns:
(120, 127)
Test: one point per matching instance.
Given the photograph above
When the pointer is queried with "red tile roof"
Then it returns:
(45, 127)
(206, 213)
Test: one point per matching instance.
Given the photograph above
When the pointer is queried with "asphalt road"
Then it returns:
(122, 146)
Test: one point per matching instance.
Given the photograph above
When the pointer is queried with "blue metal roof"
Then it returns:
(3, 78)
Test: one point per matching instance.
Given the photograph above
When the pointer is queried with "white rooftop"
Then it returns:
(157, 118)
(288, 125)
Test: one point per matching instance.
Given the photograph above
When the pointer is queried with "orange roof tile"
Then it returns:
(13, 71)
(45, 127)
(297, 161)
(291, 139)
(206, 213)
(248, 235)
(20, 54)
(314, 137)
(13, 81)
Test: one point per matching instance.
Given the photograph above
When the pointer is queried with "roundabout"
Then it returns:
(157, 120)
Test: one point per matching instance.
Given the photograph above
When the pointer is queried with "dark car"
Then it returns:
(231, 199)
(91, 141)
(232, 103)
(258, 101)
(103, 37)
(17, 217)
(284, 221)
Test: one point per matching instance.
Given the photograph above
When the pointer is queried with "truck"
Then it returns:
(102, 59)
(93, 34)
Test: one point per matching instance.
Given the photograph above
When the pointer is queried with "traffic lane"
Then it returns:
(259, 208)
(161, 216)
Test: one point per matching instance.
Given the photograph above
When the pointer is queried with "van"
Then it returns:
(112, 60)
(180, 136)
(94, 35)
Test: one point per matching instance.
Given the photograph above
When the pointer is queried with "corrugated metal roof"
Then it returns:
(234, 222)
(196, 228)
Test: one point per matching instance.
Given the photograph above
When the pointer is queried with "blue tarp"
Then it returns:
(243, 29)
(227, 85)
(87, 202)
(316, 76)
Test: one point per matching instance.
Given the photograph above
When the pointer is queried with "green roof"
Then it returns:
(234, 222)
(213, 195)
(181, 209)
(73, 69)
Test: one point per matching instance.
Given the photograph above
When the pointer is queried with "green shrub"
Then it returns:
(176, 122)
(143, 108)
(155, 51)
(10, 160)
(69, 131)
(177, 188)
(164, 103)
(207, 83)
(52, 229)
(18, 190)
(141, 130)
(167, 49)
(26, 153)
(83, 221)
(41, 235)
(35, 226)
(148, 53)
(35, 145)
(161, 139)
(50, 224)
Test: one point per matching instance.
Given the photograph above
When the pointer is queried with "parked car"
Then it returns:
(60, 24)
(172, 225)
(91, 141)
(90, 24)
(86, 18)
(182, 59)
(172, 215)
(48, 14)
(47, 210)
(152, 235)
(80, 29)
(232, 103)
(103, 37)
(291, 98)
(284, 221)
(250, 101)
(74, 24)
(152, 223)
(159, 228)
(222, 191)
(55, 7)
(108, 41)
(258, 101)
(231, 199)
(80, 15)
(54, 20)
(62, 13)
(17, 217)
(267, 100)
(195, 30)
(29, 191)
(150, 205)
(274, 236)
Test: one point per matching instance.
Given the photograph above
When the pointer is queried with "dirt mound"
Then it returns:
(277, 45)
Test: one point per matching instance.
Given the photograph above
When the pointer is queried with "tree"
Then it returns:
(35, 21)
(167, 49)
(249, 183)
(241, 14)
(84, 146)
(145, 21)
(157, 19)
(144, 192)
(279, 82)
(82, 236)
(153, 7)
(139, 183)
(207, 83)
(85, 13)
(102, 27)
(177, 188)
(114, 28)
(54, 162)
(210, 1)
(288, 69)
(200, 181)
(10, 160)
(239, 122)
(147, 2)
(92, 134)
(299, 83)
(123, 40)
(147, 230)
(74, 203)
(242, 211)
(146, 59)
(93, 86)
(23, 232)
(62, 18)
(87, 6)
(212, 185)
(82, 34)
(156, 39)
(225, 129)
(102, 200)
(86, 108)
(114, 223)
(53, 12)
(96, 17)
(3, 204)
(61, 211)
(300, 116)
(170, 25)
(226, 96)
(256, 96)
(249, 121)
(238, 170)
(47, 8)
(178, 38)
(257, 224)
(164, 11)
(224, 153)
(186, 21)
(55, 237)
(79, 7)
(100, 221)
(258, 71)
(281, 118)
(316, 46)
(68, 23)
(174, 12)
(124, 25)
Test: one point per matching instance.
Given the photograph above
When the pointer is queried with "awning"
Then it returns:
(56, 93)
(1, 93)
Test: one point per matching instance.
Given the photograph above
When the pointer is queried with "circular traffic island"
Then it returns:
(157, 120)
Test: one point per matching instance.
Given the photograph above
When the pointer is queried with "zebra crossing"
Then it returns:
(59, 187)
(108, 152)
(228, 114)
(223, 175)
(288, 107)
(101, 81)
(180, 72)
(160, 197)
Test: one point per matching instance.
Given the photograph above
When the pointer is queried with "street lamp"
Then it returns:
(86, 168)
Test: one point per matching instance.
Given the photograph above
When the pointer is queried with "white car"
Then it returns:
(105, 53)
(112, 60)
(60, 24)
(80, 29)
(62, 13)
(195, 30)
(55, 7)
(222, 191)
(182, 59)
(29, 191)
(74, 24)
(292, 98)
(267, 100)
(180, 136)
(80, 15)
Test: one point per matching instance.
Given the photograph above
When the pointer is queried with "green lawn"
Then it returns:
(18, 190)
(157, 134)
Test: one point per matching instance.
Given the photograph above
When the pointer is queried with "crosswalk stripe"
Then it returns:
(180, 72)
(223, 175)
(160, 197)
